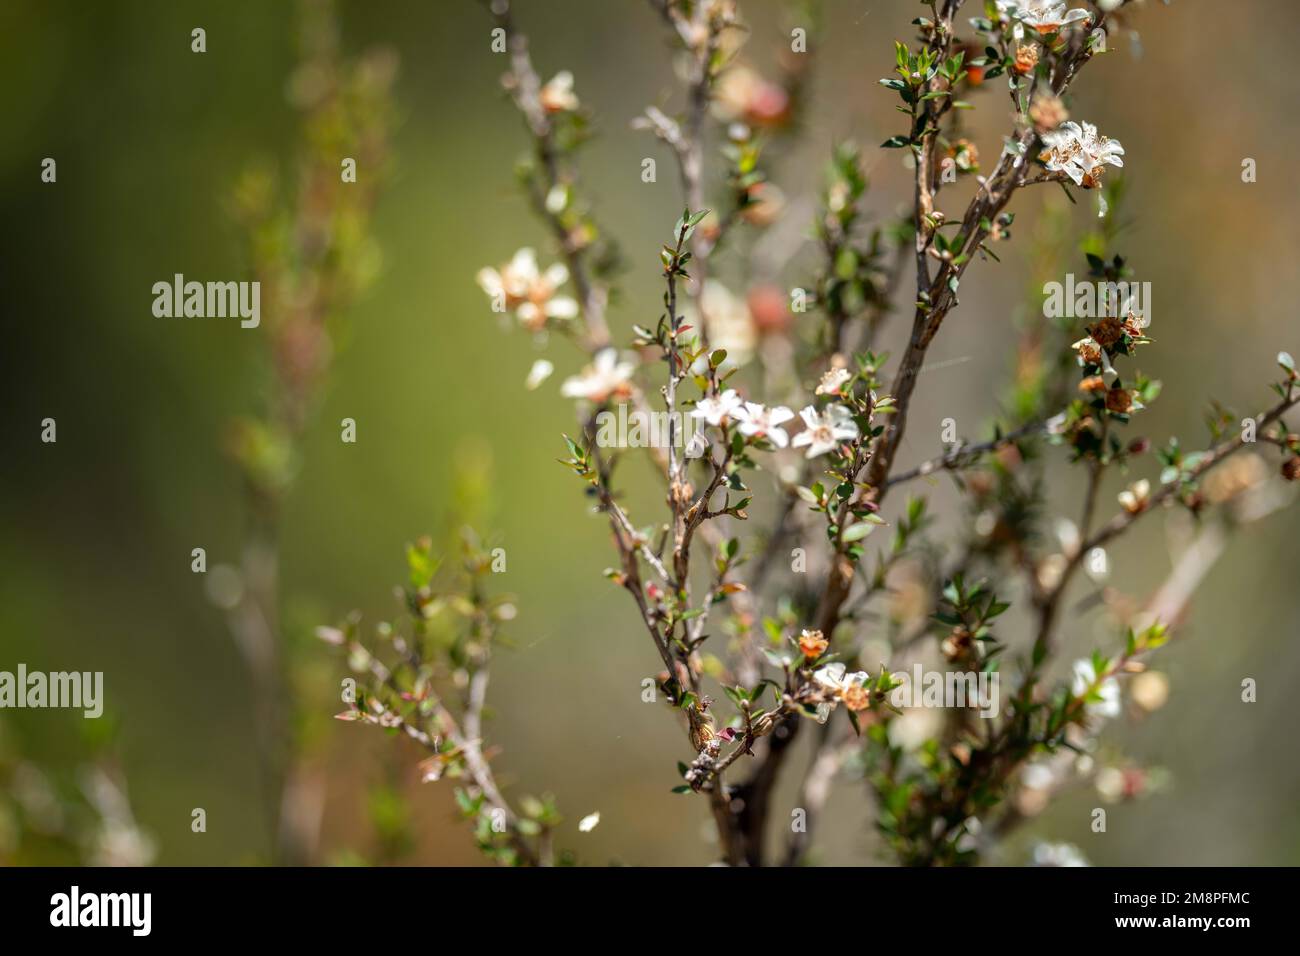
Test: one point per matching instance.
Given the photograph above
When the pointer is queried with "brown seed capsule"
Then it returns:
(1119, 400)
(1291, 469)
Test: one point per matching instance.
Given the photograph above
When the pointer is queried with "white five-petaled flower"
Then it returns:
(757, 421)
(1085, 676)
(557, 95)
(1079, 152)
(522, 288)
(825, 430)
(833, 380)
(835, 679)
(1045, 16)
(714, 410)
(606, 376)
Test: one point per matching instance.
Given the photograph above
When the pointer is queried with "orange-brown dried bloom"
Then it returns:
(813, 644)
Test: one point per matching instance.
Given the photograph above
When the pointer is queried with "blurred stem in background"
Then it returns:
(312, 255)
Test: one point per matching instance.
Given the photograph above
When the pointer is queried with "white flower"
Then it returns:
(522, 288)
(826, 430)
(833, 380)
(834, 678)
(1085, 676)
(606, 376)
(589, 822)
(726, 320)
(1058, 854)
(1045, 16)
(714, 410)
(1080, 153)
(1134, 498)
(557, 95)
(756, 421)
(539, 373)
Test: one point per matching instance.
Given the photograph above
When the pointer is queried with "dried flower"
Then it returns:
(813, 644)
(1047, 112)
(1119, 400)
(1291, 468)
(1026, 58)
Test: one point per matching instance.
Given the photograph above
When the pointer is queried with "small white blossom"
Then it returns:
(1134, 498)
(715, 410)
(589, 822)
(756, 421)
(539, 373)
(834, 678)
(1058, 854)
(1084, 678)
(527, 291)
(606, 376)
(833, 380)
(727, 321)
(557, 95)
(1045, 16)
(1079, 152)
(825, 430)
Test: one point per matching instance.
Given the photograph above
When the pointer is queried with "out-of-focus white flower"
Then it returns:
(1079, 152)
(539, 373)
(522, 288)
(1084, 678)
(1135, 497)
(589, 822)
(727, 321)
(607, 376)
(833, 380)
(715, 410)
(1150, 690)
(1045, 16)
(834, 677)
(825, 430)
(757, 421)
(557, 95)
(849, 689)
(1058, 854)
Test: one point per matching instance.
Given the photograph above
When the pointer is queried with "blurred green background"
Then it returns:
(98, 528)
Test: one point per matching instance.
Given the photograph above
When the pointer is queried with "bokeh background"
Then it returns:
(96, 530)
